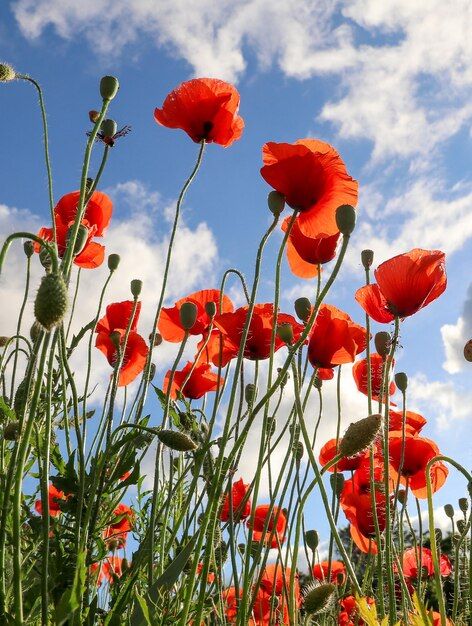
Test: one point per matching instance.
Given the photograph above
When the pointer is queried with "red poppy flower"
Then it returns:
(349, 616)
(357, 507)
(414, 422)
(108, 570)
(117, 316)
(416, 452)
(410, 560)
(313, 178)
(436, 617)
(205, 108)
(359, 371)
(238, 493)
(338, 572)
(305, 254)
(201, 381)
(170, 326)
(335, 339)
(134, 358)
(230, 603)
(405, 284)
(275, 581)
(346, 464)
(54, 497)
(91, 256)
(117, 532)
(211, 575)
(276, 525)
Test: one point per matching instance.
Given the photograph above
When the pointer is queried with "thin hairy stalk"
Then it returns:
(18, 326)
(74, 300)
(25, 235)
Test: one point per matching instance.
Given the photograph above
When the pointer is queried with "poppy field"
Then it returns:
(88, 537)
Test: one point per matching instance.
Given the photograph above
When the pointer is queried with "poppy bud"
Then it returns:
(461, 526)
(367, 258)
(157, 339)
(11, 432)
(210, 308)
(285, 333)
(188, 315)
(176, 441)
(302, 308)
(312, 539)
(152, 371)
(382, 342)
(109, 86)
(346, 219)
(88, 185)
(285, 378)
(318, 382)
(136, 286)
(449, 510)
(108, 127)
(294, 430)
(51, 301)
(402, 496)
(113, 262)
(45, 259)
(337, 483)
(271, 425)
(28, 247)
(468, 351)
(360, 435)
(93, 116)
(438, 534)
(401, 381)
(115, 338)
(4, 341)
(7, 73)
(250, 393)
(22, 397)
(275, 202)
(319, 598)
(298, 450)
(80, 240)
(463, 504)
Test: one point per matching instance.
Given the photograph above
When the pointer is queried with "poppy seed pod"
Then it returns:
(136, 286)
(468, 351)
(302, 308)
(346, 219)
(298, 450)
(382, 342)
(285, 333)
(7, 73)
(3, 341)
(402, 496)
(51, 301)
(80, 240)
(113, 262)
(463, 504)
(360, 435)
(401, 381)
(28, 247)
(176, 441)
(319, 598)
(11, 432)
(109, 86)
(312, 539)
(157, 339)
(108, 127)
(449, 510)
(337, 483)
(210, 308)
(250, 393)
(188, 315)
(367, 258)
(275, 202)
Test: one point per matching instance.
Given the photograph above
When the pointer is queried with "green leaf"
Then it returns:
(172, 573)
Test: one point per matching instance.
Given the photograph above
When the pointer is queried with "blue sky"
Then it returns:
(388, 84)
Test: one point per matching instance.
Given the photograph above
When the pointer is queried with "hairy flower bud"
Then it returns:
(35, 331)
(113, 262)
(210, 308)
(285, 333)
(176, 441)
(346, 219)
(136, 286)
(7, 73)
(28, 247)
(22, 397)
(11, 431)
(337, 483)
(188, 315)
(276, 202)
(250, 393)
(382, 341)
(468, 351)
(302, 308)
(449, 510)
(157, 339)
(360, 435)
(298, 450)
(80, 240)
(319, 598)
(108, 127)
(463, 504)
(401, 381)
(312, 539)
(3, 341)
(109, 86)
(51, 301)
(367, 258)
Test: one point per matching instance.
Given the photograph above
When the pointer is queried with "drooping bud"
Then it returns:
(28, 247)
(51, 301)
(136, 286)
(210, 308)
(468, 351)
(367, 258)
(298, 450)
(449, 510)
(108, 127)
(318, 382)
(438, 534)
(11, 431)
(401, 381)
(461, 526)
(80, 240)
(382, 341)
(276, 202)
(113, 262)
(302, 308)
(152, 371)
(337, 483)
(176, 441)
(22, 397)
(7, 73)
(250, 393)
(157, 339)
(285, 333)
(346, 219)
(285, 378)
(109, 86)
(45, 259)
(360, 435)
(312, 539)
(319, 598)
(463, 505)
(402, 496)
(271, 425)
(93, 116)
(3, 341)
(188, 315)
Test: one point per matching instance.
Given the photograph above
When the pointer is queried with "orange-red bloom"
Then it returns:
(405, 284)
(306, 253)
(411, 558)
(238, 493)
(349, 616)
(335, 339)
(276, 525)
(275, 582)
(201, 381)
(54, 496)
(109, 569)
(359, 371)
(170, 326)
(346, 464)
(313, 178)
(356, 502)
(205, 108)
(416, 452)
(338, 572)
(211, 575)
(118, 531)
(414, 422)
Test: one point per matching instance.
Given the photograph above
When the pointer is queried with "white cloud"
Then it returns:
(455, 336)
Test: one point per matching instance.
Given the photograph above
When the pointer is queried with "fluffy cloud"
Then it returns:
(455, 336)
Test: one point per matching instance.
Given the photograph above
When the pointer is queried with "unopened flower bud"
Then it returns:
(7, 73)
(35, 331)
(157, 339)
(402, 496)
(22, 397)
(45, 258)
(285, 378)
(360, 435)
(276, 202)
(28, 247)
(468, 351)
(93, 116)
(80, 240)
(302, 308)
(298, 450)
(285, 333)
(337, 483)
(136, 286)
(461, 526)
(401, 381)
(319, 598)
(463, 505)
(115, 338)
(11, 432)
(382, 341)
(188, 315)
(51, 301)
(113, 262)
(312, 539)
(108, 127)
(318, 382)
(89, 184)
(109, 86)
(367, 258)
(449, 510)
(176, 440)
(250, 393)
(3, 341)
(152, 371)
(271, 425)
(210, 308)
(346, 219)
(438, 534)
